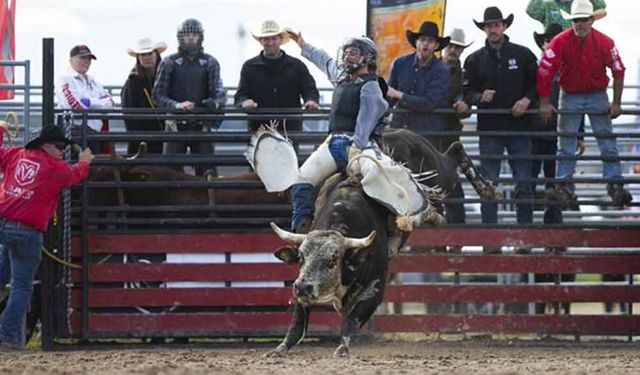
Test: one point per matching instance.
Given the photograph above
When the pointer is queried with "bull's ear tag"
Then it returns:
(287, 254)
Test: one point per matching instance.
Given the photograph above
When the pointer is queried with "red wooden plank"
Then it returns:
(540, 324)
(159, 297)
(178, 243)
(198, 324)
(167, 297)
(525, 237)
(512, 293)
(264, 242)
(114, 272)
(486, 263)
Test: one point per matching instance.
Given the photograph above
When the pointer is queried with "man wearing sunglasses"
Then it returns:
(549, 11)
(33, 178)
(581, 53)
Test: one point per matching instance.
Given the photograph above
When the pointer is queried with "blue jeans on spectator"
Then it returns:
(545, 147)
(601, 126)
(515, 146)
(455, 211)
(21, 247)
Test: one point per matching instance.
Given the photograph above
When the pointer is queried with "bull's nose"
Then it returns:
(303, 289)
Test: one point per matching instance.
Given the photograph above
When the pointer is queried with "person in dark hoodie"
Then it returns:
(136, 92)
(502, 75)
(274, 79)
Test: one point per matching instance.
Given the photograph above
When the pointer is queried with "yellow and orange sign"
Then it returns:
(388, 21)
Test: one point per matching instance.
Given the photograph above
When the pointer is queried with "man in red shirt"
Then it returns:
(32, 181)
(582, 54)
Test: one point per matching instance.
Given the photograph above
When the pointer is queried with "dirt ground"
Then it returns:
(378, 357)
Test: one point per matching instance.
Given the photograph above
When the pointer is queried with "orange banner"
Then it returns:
(7, 44)
(388, 21)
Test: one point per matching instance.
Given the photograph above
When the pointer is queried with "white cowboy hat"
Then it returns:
(458, 38)
(271, 28)
(146, 45)
(583, 9)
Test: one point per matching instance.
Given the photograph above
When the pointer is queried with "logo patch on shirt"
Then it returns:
(26, 171)
(549, 53)
(512, 64)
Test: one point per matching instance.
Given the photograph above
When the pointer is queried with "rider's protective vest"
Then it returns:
(345, 104)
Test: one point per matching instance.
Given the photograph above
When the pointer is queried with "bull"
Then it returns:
(343, 261)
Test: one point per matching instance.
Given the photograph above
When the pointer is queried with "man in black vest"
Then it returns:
(188, 80)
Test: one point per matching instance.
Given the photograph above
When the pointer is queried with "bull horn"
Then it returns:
(358, 243)
(142, 151)
(294, 238)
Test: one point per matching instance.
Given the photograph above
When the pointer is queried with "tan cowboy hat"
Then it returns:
(583, 9)
(458, 38)
(146, 45)
(271, 28)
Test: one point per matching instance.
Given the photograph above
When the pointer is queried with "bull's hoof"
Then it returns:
(278, 352)
(342, 352)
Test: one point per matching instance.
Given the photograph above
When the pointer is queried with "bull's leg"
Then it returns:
(485, 188)
(295, 333)
(359, 315)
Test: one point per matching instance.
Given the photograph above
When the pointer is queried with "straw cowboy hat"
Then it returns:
(146, 45)
(49, 134)
(271, 28)
(458, 38)
(427, 28)
(493, 14)
(552, 30)
(583, 9)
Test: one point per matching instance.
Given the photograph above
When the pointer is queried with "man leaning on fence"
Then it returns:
(274, 79)
(582, 54)
(188, 80)
(34, 175)
(419, 81)
(501, 75)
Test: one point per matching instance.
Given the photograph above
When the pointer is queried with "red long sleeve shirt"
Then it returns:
(582, 65)
(32, 183)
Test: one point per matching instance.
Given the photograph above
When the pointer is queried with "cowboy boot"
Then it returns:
(619, 195)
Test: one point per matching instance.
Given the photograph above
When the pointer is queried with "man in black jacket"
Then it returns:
(274, 79)
(502, 75)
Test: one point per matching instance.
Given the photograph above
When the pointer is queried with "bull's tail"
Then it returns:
(485, 188)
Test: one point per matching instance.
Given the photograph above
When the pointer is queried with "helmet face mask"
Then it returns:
(186, 32)
(356, 53)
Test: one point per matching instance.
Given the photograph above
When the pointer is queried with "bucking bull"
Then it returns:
(344, 257)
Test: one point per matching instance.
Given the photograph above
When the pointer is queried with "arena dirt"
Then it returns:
(380, 357)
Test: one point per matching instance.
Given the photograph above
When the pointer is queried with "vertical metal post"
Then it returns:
(48, 272)
(47, 81)
(27, 101)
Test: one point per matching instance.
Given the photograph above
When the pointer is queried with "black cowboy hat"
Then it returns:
(427, 28)
(493, 14)
(552, 30)
(49, 134)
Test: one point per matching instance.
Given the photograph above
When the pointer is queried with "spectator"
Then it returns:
(189, 80)
(547, 146)
(452, 52)
(549, 11)
(78, 90)
(274, 79)
(136, 92)
(581, 54)
(419, 81)
(501, 75)
(28, 201)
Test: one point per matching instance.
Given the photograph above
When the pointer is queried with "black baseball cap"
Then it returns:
(81, 50)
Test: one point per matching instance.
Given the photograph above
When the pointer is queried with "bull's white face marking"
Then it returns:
(321, 256)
